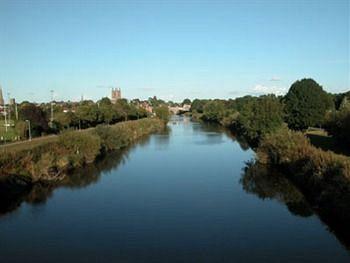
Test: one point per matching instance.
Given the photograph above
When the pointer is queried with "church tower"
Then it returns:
(116, 95)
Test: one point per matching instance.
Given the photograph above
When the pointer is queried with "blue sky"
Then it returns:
(172, 49)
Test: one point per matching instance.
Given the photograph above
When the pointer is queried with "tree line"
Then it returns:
(305, 105)
(71, 115)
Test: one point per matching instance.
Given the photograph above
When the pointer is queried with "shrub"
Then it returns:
(162, 112)
(293, 151)
(47, 160)
(82, 147)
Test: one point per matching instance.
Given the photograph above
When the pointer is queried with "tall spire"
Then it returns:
(1, 97)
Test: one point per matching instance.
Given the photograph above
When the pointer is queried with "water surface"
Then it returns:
(186, 195)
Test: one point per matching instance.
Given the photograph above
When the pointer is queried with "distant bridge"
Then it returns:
(180, 110)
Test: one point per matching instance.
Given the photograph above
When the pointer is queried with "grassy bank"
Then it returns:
(322, 176)
(49, 159)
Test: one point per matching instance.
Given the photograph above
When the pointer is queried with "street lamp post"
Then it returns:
(5, 114)
(30, 132)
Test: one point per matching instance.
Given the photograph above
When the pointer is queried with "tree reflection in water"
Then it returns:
(266, 183)
(14, 190)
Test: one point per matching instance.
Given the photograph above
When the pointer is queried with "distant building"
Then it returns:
(12, 101)
(116, 95)
(145, 105)
(2, 102)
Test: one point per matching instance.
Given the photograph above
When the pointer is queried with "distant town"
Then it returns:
(26, 119)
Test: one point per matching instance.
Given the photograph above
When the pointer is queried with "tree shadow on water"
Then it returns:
(15, 190)
(267, 183)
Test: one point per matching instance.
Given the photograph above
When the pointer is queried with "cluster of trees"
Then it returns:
(251, 116)
(72, 115)
(89, 114)
(305, 105)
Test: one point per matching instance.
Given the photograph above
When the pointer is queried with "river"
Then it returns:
(189, 194)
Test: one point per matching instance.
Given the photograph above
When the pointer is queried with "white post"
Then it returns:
(30, 132)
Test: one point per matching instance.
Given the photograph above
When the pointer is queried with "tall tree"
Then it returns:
(306, 104)
(36, 116)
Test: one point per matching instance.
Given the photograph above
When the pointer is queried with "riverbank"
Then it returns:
(322, 176)
(50, 160)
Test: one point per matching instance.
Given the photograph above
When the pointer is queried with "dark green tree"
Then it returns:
(186, 101)
(198, 105)
(260, 116)
(214, 111)
(36, 116)
(306, 104)
(88, 115)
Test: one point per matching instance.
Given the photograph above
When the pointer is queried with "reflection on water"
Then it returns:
(187, 194)
(267, 183)
(12, 195)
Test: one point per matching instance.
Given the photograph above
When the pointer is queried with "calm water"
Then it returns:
(187, 195)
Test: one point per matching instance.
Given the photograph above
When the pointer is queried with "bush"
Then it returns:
(292, 151)
(110, 139)
(162, 112)
(82, 147)
(259, 117)
(48, 160)
(338, 125)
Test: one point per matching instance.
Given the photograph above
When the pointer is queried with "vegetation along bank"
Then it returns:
(277, 128)
(51, 159)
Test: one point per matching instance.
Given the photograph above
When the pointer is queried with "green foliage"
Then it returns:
(106, 113)
(155, 102)
(88, 115)
(162, 112)
(66, 120)
(36, 116)
(48, 159)
(213, 111)
(186, 101)
(21, 129)
(9, 135)
(338, 124)
(198, 105)
(110, 138)
(251, 116)
(316, 170)
(105, 102)
(82, 146)
(306, 104)
(260, 116)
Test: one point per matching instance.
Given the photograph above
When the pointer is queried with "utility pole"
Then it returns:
(51, 119)
(5, 114)
(16, 109)
(9, 98)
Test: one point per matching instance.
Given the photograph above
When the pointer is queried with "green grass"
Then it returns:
(27, 145)
(10, 134)
(320, 139)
